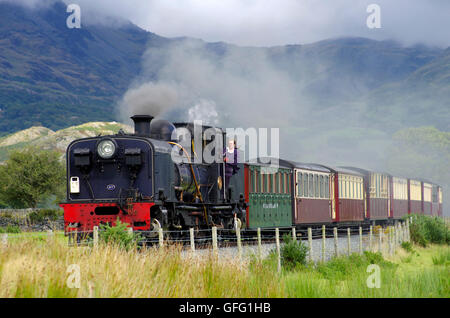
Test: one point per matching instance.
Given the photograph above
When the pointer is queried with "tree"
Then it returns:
(30, 177)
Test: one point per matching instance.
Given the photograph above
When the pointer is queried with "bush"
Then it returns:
(118, 235)
(340, 268)
(30, 176)
(10, 229)
(293, 253)
(39, 216)
(407, 246)
(427, 229)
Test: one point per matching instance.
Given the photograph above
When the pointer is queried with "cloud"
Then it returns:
(269, 23)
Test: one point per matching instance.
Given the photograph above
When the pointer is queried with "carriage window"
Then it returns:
(252, 181)
(279, 182)
(327, 186)
(340, 188)
(299, 184)
(316, 186)
(311, 185)
(305, 185)
(263, 182)
(287, 183)
(321, 190)
(256, 181)
(288, 186)
(275, 182)
(349, 188)
(354, 190)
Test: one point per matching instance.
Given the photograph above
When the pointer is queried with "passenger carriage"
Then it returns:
(268, 190)
(376, 186)
(314, 196)
(349, 190)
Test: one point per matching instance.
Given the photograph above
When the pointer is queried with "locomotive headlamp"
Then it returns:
(106, 148)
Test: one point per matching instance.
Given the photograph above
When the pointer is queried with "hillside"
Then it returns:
(56, 77)
(47, 139)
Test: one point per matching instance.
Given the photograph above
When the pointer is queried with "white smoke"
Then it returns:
(204, 110)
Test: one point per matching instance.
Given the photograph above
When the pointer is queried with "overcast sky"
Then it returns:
(280, 22)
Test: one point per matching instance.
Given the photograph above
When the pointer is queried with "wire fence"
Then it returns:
(322, 242)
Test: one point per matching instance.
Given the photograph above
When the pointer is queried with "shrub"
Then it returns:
(339, 268)
(293, 253)
(407, 246)
(10, 229)
(41, 215)
(426, 229)
(30, 176)
(118, 235)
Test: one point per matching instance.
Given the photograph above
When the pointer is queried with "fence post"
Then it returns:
(191, 234)
(395, 237)
(360, 241)
(402, 233)
(390, 239)
(310, 244)
(370, 239)
(348, 241)
(323, 243)
(5, 240)
(336, 253)
(294, 235)
(238, 237)
(277, 239)
(380, 241)
(49, 234)
(95, 236)
(259, 244)
(161, 237)
(214, 239)
(408, 237)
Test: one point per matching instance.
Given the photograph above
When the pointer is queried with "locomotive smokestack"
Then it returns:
(142, 124)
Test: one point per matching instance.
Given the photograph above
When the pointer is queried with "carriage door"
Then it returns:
(332, 196)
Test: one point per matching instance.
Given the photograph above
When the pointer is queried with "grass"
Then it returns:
(37, 267)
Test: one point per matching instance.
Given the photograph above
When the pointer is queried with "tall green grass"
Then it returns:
(38, 268)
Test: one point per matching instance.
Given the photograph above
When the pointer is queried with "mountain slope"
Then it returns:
(54, 76)
(57, 77)
(47, 139)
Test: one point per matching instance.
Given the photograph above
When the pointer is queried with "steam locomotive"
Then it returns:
(155, 179)
(135, 178)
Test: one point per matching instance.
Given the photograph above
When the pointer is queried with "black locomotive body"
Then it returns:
(151, 179)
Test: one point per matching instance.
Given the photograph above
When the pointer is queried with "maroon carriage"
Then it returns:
(314, 194)
(399, 197)
(376, 185)
(349, 193)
